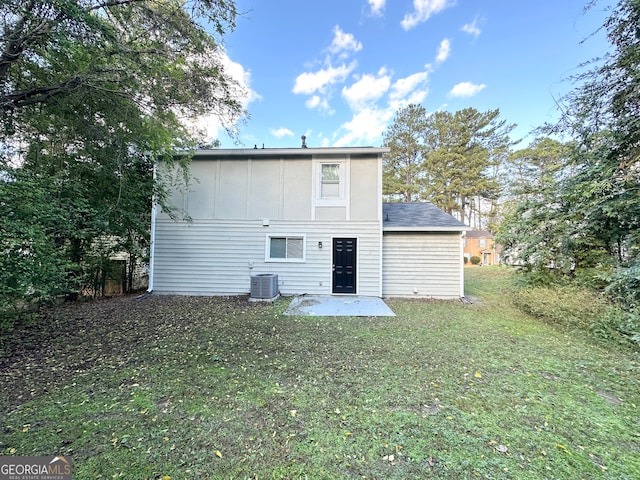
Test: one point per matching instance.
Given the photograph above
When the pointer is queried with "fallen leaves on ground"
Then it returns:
(70, 339)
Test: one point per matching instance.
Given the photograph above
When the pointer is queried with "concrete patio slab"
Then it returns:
(338, 306)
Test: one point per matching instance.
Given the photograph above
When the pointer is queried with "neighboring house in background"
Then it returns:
(480, 243)
(111, 267)
(314, 217)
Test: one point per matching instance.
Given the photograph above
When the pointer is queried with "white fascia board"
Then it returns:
(287, 152)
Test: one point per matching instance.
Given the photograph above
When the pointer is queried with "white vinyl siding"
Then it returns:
(422, 265)
(218, 257)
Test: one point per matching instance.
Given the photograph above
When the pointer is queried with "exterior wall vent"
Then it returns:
(264, 286)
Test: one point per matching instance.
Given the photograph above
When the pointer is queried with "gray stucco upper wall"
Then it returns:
(280, 184)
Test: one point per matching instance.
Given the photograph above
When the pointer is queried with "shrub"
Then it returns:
(624, 286)
(475, 260)
(619, 324)
(566, 306)
(580, 308)
(466, 260)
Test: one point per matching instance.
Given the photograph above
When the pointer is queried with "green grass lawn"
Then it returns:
(200, 387)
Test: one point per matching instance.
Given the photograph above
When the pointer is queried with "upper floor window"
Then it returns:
(330, 182)
(482, 242)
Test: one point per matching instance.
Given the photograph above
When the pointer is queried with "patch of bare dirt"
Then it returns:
(609, 397)
(70, 339)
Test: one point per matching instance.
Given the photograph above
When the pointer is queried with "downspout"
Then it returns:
(462, 234)
(381, 222)
(152, 243)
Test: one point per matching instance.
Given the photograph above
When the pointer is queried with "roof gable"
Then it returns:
(423, 216)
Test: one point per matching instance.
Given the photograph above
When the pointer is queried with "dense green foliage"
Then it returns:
(93, 93)
(577, 215)
(31, 221)
(531, 231)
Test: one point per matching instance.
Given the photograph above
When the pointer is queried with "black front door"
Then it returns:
(344, 265)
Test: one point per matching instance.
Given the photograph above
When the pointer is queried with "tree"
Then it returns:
(92, 94)
(30, 266)
(534, 169)
(463, 153)
(554, 218)
(448, 159)
(535, 223)
(587, 212)
(603, 114)
(404, 165)
(152, 53)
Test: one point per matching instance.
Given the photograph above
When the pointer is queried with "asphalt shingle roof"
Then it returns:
(417, 216)
(478, 234)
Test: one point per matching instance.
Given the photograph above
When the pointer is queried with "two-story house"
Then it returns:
(480, 243)
(313, 216)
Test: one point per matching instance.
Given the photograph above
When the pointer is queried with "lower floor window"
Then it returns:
(285, 248)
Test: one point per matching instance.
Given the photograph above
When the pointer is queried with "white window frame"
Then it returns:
(343, 186)
(267, 248)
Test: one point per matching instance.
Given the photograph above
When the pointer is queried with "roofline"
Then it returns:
(461, 228)
(288, 152)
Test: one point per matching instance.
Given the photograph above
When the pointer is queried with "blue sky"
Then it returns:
(338, 70)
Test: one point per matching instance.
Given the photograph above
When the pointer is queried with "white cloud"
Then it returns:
(243, 77)
(365, 127)
(344, 42)
(318, 102)
(443, 50)
(210, 127)
(472, 28)
(423, 10)
(370, 119)
(313, 102)
(368, 89)
(411, 89)
(311, 82)
(377, 6)
(466, 89)
(416, 97)
(318, 84)
(282, 132)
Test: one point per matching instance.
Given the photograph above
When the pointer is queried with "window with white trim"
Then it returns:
(330, 182)
(283, 248)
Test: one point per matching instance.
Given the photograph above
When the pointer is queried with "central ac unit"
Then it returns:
(264, 286)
